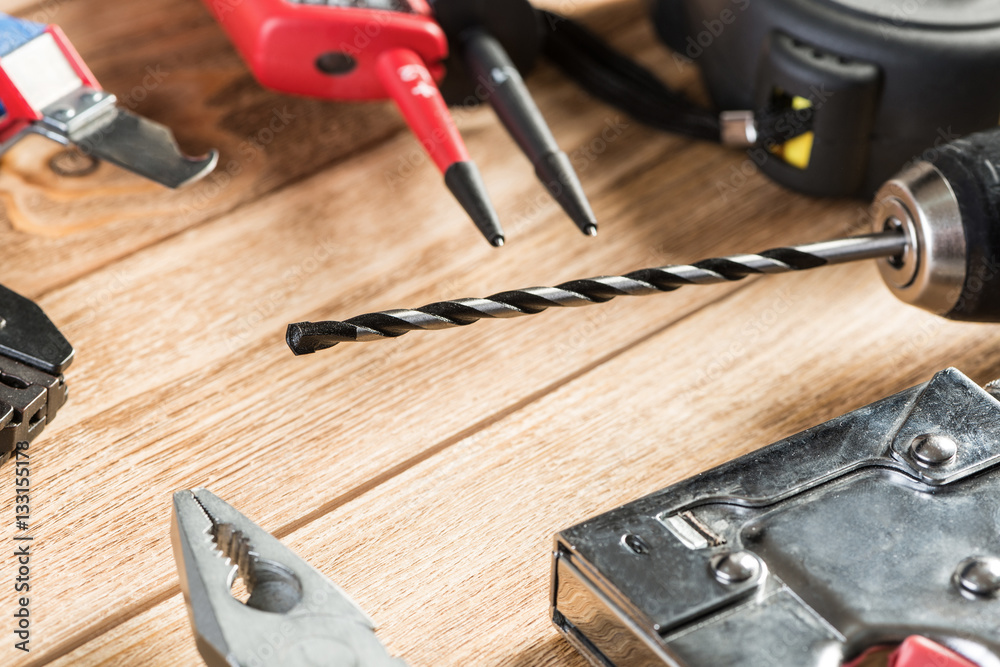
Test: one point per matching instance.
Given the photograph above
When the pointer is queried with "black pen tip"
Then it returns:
(466, 184)
(556, 171)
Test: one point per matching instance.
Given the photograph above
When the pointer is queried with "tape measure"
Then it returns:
(881, 79)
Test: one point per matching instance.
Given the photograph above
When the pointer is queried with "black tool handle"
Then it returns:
(972, 167)
(491, 66)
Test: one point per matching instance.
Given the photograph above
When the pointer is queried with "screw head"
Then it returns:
(64, 113)
(635, 544)
(735, 567)
(933, 449)
(979, 576)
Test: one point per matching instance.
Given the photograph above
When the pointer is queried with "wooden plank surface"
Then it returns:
(425, 475)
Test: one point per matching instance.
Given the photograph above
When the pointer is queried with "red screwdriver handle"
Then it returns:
(407, 80)
(365, 50)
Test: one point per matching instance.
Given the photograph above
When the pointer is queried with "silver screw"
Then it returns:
(63, 113)
(932, 449)
(635, 544)
(735, 568)
(979, 576)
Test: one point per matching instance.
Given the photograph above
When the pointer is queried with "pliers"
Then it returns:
(294, 617)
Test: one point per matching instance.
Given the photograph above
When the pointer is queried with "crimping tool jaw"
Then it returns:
(46, 89)
(33, 356)
(294, 616)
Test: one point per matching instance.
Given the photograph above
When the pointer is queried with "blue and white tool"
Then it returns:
(47, 89)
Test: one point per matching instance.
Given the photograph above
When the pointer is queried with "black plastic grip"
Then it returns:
(972, 167)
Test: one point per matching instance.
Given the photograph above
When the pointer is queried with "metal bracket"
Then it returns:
(873, 527)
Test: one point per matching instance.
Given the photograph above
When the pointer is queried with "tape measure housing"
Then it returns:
(884, 79)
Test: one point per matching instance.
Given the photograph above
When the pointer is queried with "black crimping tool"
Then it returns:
(33, 356)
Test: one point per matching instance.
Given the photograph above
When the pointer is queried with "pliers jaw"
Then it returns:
(294, 617)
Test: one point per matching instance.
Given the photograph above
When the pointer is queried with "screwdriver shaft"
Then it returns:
(309, 337)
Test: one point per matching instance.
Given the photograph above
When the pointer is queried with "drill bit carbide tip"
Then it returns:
(308, 337)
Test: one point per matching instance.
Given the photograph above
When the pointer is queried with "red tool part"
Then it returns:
(916, 652)
(325, 50)
(409, 83)
(340, 50)
(24, 90)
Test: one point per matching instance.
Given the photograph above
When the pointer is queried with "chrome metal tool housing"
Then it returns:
(874, 527)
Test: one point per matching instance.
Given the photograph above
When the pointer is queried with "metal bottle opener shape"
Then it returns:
(880, 525)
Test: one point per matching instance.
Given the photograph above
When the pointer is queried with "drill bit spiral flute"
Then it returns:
(937, 239)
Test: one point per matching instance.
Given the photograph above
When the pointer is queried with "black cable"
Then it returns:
(623, 83)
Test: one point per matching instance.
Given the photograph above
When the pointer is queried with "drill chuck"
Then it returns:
(949, 208)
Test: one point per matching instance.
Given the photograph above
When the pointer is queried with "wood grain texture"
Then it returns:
(169, 61)
(426, 475)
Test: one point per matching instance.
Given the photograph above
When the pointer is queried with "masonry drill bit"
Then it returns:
(309, 337)
(937, 242)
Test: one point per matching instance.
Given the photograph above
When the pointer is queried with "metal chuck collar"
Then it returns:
(948, 205)
(33, 356)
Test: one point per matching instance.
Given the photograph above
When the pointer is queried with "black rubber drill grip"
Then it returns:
(972, 167)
